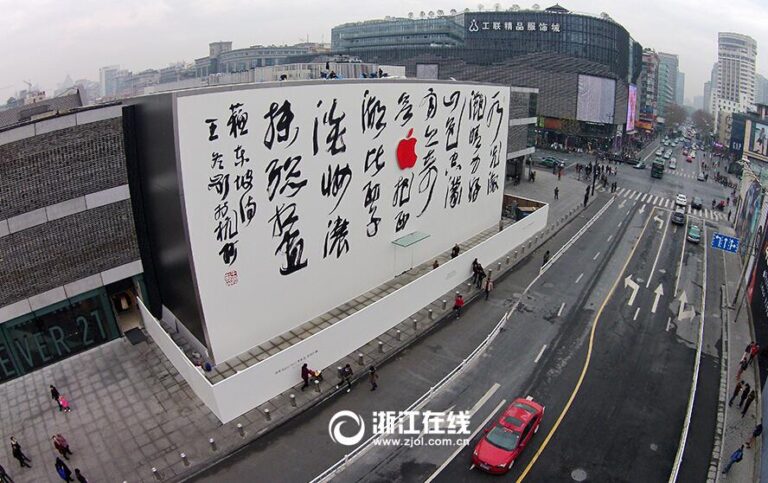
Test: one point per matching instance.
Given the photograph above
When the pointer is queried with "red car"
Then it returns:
(503, 442)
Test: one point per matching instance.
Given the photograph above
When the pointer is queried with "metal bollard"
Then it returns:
(431, 314)
(415, 325)
(360, 358)
(399, 335)
(445, 304)
(184, 459)
(156, 473)
(212, 442)
(241, 430)
(469, 287)
(292, 397)
(381, 347)
(268, 415)
(338, 372)
(508, 259)
(317, 386)
(498, 267)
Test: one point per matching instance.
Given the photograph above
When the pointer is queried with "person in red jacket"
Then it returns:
(458, 303)
(753, 351)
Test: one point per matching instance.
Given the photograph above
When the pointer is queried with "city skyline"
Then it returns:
(175, 31)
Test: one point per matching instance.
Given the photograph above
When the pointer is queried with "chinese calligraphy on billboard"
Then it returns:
(294, 194)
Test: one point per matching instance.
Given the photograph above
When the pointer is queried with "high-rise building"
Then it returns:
(668, 64)
(680, 89)
(711, 101)
(107, 77)
(736, 56)
(761, 89)
(649, 92)
(698, 102)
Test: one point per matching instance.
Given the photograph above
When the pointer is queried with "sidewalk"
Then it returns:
(737, 429)
(132, 412)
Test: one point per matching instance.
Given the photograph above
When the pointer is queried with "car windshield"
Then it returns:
(503, 438)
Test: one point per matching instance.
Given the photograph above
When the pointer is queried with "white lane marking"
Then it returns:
(656, 260)
(480, 402)
(669, 322)
(596, 255)
(638, 196)
(560, 312)
(658, 292)
(645, 196)
(628, 282)
(636, 312)
(655, 199)
(609, 238)
(622, 190)
(680, 263)
(541, 352)
(619, 224)
(472, 436)
(579, 278)
(666, 203)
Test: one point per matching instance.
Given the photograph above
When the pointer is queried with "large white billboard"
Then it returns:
(295, 195)
(596, 99)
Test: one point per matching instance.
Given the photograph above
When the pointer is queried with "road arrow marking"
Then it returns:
(642, 209)
(636, 313)
(683, 314)
(621, 205)
(659, 221)
(628, 282)
(659, 292)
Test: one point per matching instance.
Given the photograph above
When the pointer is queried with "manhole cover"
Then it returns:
(578, 474)
(654, 447)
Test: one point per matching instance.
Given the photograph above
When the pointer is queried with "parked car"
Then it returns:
(681, 200)
(639, 166)
(678, 217)
(503, 442)
(694, 234)
(696, 203)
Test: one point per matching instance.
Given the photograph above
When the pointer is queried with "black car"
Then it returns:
(678, 218)
(696, 203)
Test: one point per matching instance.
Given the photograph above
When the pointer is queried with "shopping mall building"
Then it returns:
(585, 67)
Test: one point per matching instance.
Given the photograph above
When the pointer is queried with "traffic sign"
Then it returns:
(725, 242)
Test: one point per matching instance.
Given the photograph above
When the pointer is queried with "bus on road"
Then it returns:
(657, 168)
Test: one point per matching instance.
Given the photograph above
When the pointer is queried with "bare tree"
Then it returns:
(703, 121)
(676, 115)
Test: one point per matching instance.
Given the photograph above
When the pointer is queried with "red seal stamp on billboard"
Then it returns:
(230, 278)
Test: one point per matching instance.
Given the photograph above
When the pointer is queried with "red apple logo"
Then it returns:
(406, 151)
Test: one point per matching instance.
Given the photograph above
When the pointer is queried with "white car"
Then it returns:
(673, 163)
(681, 200)
(660, 153)
(693, 154)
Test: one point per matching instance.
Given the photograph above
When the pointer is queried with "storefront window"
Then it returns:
(54, 333)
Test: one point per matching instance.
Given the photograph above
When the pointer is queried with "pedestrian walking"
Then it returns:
(586, 198)
(753, 352)
(755, 433)
(79, 476)
(458, 303)
(346, 376)
(55, 396)
(736, 456)
(4, 476)
(455, 251)
(475, 270)
(373, 378)
(480, 276)
(750, 398)
(559, 173)
(488, 287)
(736, 391)
(742, 367)
(744, 393)
(435, 265)
(557, 192)
(305, 376)
(546, 258)
(64, 404)
(747, 351)
(61, 445)
(19, 454)
(63, 470)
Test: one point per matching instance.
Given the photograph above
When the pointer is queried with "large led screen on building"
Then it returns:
(301, 198)
(631, 108)
(595, 101)
(758, 139)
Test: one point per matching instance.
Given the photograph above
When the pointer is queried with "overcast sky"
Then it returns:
(44, 40)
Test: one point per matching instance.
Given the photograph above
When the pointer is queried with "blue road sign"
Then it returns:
(725, 242)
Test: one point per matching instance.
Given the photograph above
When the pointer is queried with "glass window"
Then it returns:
(503, 438)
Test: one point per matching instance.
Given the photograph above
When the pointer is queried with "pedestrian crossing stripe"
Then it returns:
(669, 204)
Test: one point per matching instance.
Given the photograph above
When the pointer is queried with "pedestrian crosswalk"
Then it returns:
(668, 203)
(682, 174)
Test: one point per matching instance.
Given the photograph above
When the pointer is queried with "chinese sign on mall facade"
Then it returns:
(516, 26)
